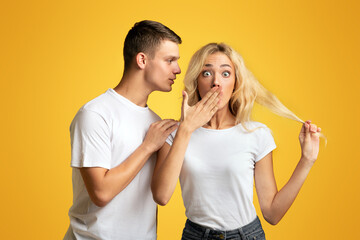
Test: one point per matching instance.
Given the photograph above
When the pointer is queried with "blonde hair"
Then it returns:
(247, 89)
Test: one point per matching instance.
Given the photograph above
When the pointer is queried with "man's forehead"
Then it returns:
(168, 47)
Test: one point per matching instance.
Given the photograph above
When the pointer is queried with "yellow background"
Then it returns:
(57, 55)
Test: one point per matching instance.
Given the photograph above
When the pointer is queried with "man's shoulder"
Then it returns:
(101, 103)
(96, 110)
(110, 108)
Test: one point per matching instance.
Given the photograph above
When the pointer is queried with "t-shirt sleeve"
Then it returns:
(90, 140)
(170, 138)
(266, 143)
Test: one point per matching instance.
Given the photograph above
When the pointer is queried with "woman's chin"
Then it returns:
(222, 106)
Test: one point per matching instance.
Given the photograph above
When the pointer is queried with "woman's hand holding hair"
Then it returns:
(196, 116)
(274, 204)
(309, 141)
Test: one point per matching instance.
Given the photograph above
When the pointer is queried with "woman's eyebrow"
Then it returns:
(225, 65)
(222, 65)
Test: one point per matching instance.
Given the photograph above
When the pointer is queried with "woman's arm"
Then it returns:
(168, 166)
(273, 203)
(170, 159)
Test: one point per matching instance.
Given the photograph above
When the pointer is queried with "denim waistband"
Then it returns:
(254, 226)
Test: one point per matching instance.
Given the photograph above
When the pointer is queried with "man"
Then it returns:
(114, 138)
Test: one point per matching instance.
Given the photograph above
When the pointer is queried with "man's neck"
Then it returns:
(134, 89)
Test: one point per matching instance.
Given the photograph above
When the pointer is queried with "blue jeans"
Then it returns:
(251, 231)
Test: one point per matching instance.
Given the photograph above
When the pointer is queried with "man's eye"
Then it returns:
(226, 74)
(206, 73)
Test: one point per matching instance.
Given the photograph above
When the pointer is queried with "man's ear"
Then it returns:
(141, 60)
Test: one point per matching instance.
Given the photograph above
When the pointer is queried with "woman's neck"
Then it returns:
(221, 120)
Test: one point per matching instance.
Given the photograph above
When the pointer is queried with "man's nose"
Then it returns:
(177, 69)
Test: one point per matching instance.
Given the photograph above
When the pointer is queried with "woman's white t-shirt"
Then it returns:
(217, 176)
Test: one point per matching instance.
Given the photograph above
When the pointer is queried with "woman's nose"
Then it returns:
(216, 82)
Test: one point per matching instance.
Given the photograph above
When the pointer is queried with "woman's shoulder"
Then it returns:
(255, 125)
(257, 129)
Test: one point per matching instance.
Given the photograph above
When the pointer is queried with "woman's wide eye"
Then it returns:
(206, 73)
(226, 74)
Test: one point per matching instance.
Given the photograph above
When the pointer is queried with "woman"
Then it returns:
(217, 151)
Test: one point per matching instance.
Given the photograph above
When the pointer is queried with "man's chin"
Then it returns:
(168, 89)
(163, 90)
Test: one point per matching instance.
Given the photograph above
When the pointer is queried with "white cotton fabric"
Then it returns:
(104, 132)
(217, 176)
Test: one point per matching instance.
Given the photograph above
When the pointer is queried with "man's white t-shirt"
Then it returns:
(104, 132)
(217, 176)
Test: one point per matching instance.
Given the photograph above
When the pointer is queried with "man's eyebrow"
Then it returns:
(172, 56)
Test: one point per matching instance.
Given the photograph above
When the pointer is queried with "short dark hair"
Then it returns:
(146, 36)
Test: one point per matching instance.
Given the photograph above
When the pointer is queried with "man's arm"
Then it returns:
(104, 184)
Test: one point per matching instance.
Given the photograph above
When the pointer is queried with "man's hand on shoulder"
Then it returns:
(158, 132)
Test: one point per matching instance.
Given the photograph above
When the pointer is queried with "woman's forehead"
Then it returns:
(218, 59)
